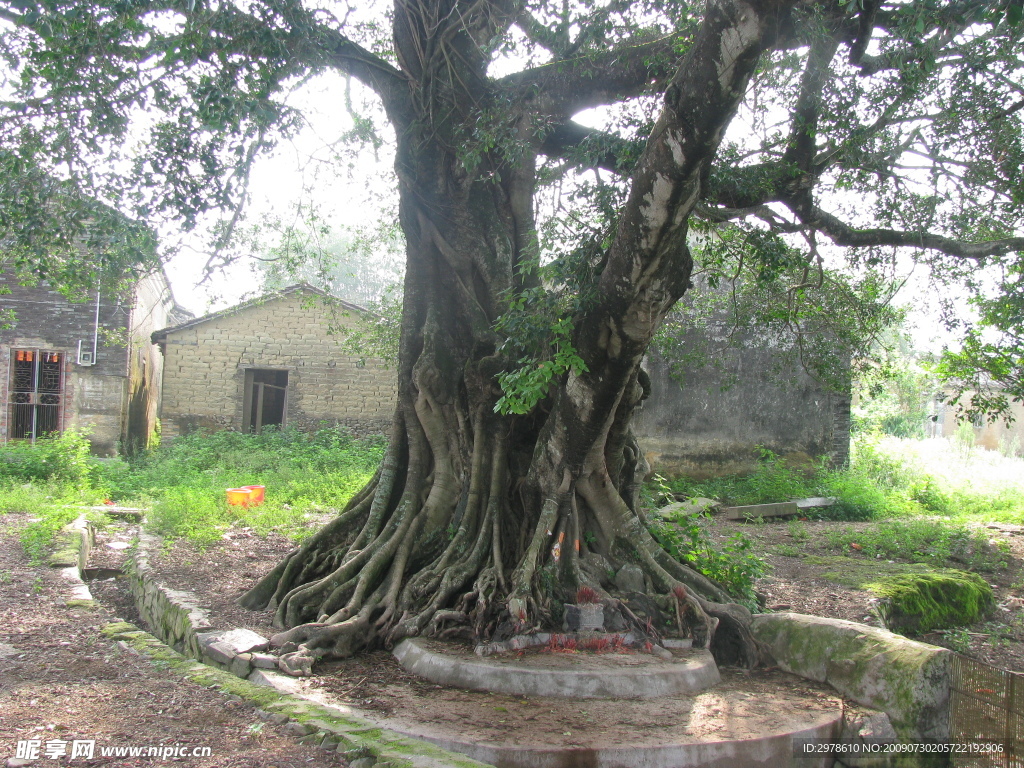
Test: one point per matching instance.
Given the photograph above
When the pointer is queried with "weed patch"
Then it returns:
(922, 541)
(304, 474)
(733, 565)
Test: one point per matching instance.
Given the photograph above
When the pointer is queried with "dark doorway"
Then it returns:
(265, 398)
(37, 383)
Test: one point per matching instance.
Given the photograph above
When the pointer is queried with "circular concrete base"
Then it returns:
(774, 748)
(588, 676)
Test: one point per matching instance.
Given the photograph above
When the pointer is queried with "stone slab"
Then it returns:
(276, 680)
(816, 502)
(756, 511)
(244, 641)
(694, 672)
(219, 652)
(264, 661)
(771, 748)
(693, 506)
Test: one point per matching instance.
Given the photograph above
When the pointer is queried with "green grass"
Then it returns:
(45, 481)
(930, 541)
(306, 477)
(888, 477)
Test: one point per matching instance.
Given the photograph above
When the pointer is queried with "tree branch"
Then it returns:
(563, 88)
(585, 147)
(842, 233)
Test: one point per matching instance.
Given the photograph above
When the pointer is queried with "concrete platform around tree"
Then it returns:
(587, 676)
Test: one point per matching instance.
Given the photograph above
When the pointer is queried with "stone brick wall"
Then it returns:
(94, 396)
(205, 363)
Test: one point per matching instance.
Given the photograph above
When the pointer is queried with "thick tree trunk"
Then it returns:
(479, 523)
(475, 521)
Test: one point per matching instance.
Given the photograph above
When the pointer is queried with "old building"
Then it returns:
(86, 364)
(276, 360)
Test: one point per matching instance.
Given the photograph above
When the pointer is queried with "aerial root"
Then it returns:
(304, 645)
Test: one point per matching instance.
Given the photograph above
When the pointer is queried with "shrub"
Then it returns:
(732, 565)
(63, 458)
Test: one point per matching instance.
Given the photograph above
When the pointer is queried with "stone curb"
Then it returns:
(681, 677)
(327, 727)
(204, 652)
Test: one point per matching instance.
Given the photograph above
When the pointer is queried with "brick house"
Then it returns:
(274, 360)
(86, 364)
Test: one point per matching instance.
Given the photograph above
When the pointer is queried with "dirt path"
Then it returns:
(61, 682)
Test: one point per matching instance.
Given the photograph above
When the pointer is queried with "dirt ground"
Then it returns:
(61, 681)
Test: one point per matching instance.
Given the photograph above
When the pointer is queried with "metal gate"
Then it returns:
(986, 710)
(36, 394)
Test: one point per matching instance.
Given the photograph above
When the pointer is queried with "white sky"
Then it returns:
(350, 190)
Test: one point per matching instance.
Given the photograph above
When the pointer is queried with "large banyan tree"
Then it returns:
(889, 129)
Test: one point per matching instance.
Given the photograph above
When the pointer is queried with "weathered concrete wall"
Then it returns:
(993, 436)
(154, 308)
(205, 365)
(712, 424)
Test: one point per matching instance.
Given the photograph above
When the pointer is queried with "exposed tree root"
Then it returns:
(438, 544)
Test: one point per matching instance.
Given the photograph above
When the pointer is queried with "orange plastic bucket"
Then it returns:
(239, 497)
(258, 492)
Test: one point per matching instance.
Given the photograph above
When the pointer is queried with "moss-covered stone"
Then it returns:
(80, 602)
(918, 603)
(859, 573)
(906, 679)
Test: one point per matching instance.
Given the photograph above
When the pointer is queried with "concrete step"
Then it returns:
(559, 675)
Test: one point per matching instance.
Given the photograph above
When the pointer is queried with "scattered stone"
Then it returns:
(614, 621)
(363, 762)
(780, 607)
(877, 727)
(598, 568)
(219, 652)
(243, 641)
(694, 506)
(240, 665)
(662, 653)
(118, 545)
(17, 762)
(295, 729)
(630, 578)
(6, 651)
